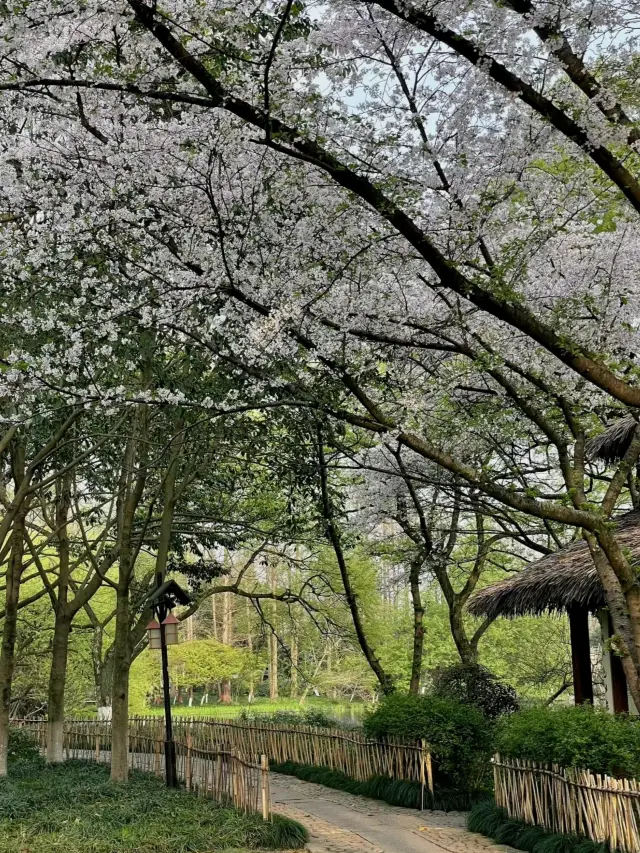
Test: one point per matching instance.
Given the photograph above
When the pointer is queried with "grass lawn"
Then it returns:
(74, 808)
(339, 710)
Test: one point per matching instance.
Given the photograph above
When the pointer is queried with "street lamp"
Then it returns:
(163, 632)
(170, 625)
(154, 633)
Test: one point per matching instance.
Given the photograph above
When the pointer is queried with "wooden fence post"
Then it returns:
(266, 805)
(187, 766)
(422, 774)
(234, 778)
(430, 774)
(157, 762)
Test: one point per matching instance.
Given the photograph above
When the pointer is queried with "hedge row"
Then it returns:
(487, 819)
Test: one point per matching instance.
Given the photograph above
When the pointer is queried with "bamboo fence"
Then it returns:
(208, 768)
(567, 801)
(349, 752)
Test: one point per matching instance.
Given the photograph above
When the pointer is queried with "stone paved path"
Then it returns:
(345, 823)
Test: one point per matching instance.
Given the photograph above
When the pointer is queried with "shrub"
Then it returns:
(458, 735)
(476, 685)
(583, 736)
(487, 819)
(396, 792)
(312, 717)
(22, 745)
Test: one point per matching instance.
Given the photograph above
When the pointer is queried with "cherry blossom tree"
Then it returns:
(420, 220)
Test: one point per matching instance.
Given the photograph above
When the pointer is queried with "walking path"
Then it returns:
(344, 823)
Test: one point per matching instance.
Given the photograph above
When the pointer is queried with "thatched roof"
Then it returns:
(556, 582)
(613, 443)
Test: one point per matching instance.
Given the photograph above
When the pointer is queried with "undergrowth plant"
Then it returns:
(396, 792)
(489, 820)
(75, 808)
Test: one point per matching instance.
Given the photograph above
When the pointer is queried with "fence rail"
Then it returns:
(563, 800)
(349, 752)
(238, 743)
(208, 768)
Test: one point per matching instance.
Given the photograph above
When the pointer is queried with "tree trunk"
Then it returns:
(273, 666)
(418, 626)
(104, 678)
(61, 631)
(294, 665)
(331, 530)
(214, 618)
(57, 678)
(225, 691)
(9, 634)
(227, 639)
(250, 647)
(273, 643)
(120, 690)
(468, 653)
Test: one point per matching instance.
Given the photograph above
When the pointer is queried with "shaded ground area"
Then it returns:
(345, 823)
(75, 808)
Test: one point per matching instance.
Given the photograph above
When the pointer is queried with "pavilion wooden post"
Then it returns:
(581, 654)
(619, 690)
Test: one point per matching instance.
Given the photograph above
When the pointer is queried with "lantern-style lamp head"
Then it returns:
(170, 625)
(153, 630)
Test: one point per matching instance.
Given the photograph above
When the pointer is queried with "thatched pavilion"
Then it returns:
(567, 581)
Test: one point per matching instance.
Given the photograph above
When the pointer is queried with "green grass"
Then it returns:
(74, 808)
(487, 819)
(396, 792)
(339, 710)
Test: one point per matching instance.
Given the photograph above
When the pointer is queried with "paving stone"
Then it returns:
(344, 823)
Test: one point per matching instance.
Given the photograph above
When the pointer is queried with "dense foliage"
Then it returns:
(74, 808)
(302, 717)
(585, 737)
(277, 279)
(458, 735)
(22, 745)
(476, 685)
(487, 819)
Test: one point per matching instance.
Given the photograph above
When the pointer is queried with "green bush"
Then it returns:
(22, 745)
(310, 717)
(459, 736)
(584, 737)
(475, 685)
(487, 819)
(396, 792)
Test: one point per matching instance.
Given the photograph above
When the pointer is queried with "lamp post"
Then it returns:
(163, 632)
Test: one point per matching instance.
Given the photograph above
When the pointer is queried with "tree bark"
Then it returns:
(294, 665)
(273, 642)
(120, 688)
(384, 679)
(12, 597)
(468, 654)
(131, 489)
(227, 639)
(418, 626)
(249, 646)
(57, 679)
(61, 631)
